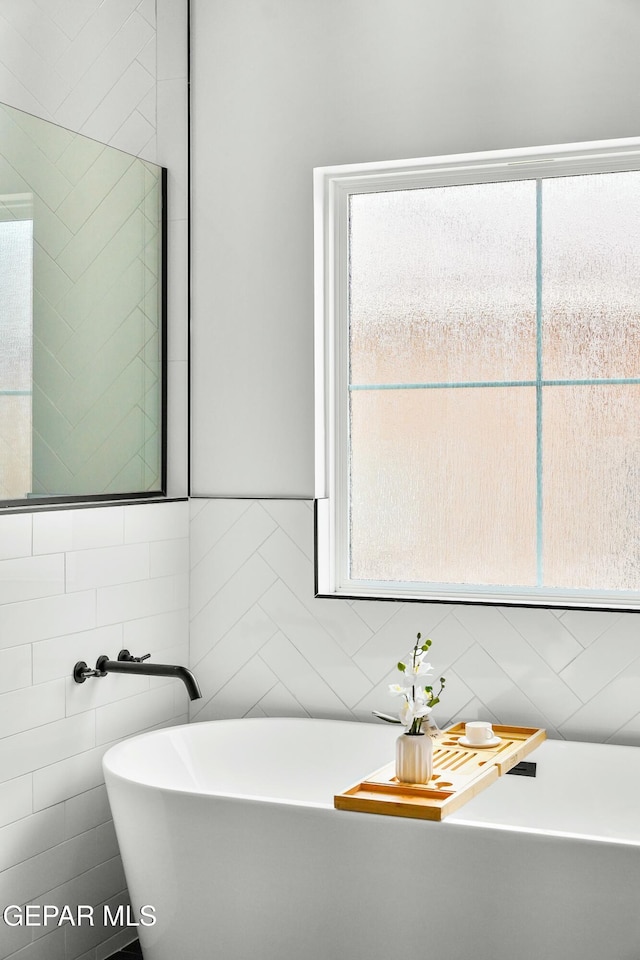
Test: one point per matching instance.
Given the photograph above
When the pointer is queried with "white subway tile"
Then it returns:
(106, 566)
(496, 690)
(295, 518)
(136, 131)
(55, 531)
(147, 58)
(611, 653)
(90, 955)
(239, 645)
(230, 603)
(169, 557)
(106, 842)
(241, 693)
(37, 748)
(15, 535)
(308, 687)
(295, 569)
(16, 799)
(31, 577)
(57, 657)
(94, 886)
(109, 948)
(80, 937)
(32, 707)
(28, 880)
(15, 668)
(35, 620)
(113, 722)
(280, 702)
(210, 520)
(228, 555)
(326, 656)
(156, 632)
(13, 938)
(131, 601)
(109, 119)
(156, 521)
(86, 810)
(25, 839)
(547, 633)
(98, 691)
(68, 777)
(610, 712)
(103, 70)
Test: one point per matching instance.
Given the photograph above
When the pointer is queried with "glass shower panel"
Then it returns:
(591, 487)
(443, 485)
(93, 267)
(443, 284)
(590, 276)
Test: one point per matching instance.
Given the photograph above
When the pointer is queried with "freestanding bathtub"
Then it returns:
(227, 830)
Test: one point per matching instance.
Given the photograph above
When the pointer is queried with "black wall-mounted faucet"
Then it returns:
(126, 663)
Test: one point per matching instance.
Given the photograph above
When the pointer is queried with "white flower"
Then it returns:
(422, 669)
(411, 709)
(397, 690)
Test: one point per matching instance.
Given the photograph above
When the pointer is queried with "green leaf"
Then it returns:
(402, 666)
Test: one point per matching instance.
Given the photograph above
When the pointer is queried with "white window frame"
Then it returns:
(332, 188)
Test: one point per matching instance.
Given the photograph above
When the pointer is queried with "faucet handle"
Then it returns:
(125, 655)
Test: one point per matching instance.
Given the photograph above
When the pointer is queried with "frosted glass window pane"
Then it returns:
(443, 284)
(591, 483)
(443, 485)
(591, 276)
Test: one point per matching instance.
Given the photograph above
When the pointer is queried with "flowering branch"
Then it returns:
(418, 699)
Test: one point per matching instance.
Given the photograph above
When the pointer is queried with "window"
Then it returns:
(478, 377)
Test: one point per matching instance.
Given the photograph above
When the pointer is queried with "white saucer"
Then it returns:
(480, 746)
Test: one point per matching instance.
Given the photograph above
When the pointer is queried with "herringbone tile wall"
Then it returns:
(85, 64)
(261, 644)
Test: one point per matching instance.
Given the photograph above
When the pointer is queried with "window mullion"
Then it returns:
(539, 517)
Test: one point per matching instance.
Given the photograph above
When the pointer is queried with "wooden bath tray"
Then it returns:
(459, 773)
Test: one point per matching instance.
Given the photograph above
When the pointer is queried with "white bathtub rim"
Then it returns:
(111, 755)
(459, 820)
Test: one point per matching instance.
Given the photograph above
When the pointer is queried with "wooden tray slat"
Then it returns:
(459, 773)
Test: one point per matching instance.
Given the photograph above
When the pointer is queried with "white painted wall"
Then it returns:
(281, 86)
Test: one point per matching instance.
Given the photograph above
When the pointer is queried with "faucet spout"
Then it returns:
(104, 666)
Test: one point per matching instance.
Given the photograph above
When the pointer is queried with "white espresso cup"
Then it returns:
(478, 732)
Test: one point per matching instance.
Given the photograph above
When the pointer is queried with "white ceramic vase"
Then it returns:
(414, 758)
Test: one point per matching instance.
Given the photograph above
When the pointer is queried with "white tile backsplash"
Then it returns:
(16, 536)
(61, 530)
(56, 838)
(27, 578)
(107, 566)
(15, 668)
